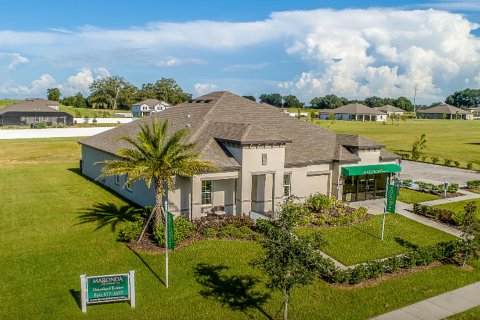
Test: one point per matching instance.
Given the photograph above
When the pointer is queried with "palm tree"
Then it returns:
(158, 157)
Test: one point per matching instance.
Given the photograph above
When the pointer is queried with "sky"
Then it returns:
(353, 49)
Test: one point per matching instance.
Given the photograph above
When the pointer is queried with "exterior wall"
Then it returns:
(368, 157)
(442, 115)
(351, 116)
(19, 118)
(310, 180)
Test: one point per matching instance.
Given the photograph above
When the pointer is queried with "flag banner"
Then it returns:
(392, 192)
(171, 231)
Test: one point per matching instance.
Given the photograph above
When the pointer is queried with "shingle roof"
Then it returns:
(390, 108)
(224, 116)
(444, 108)
(150, 102)
(354, 108)
(31, 105)
(351, 140)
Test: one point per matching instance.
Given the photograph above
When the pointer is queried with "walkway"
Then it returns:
(438, 307)
(467, 195)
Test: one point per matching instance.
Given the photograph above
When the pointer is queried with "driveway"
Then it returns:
(428, 172)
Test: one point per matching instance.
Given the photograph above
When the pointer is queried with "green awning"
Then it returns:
(370, 169)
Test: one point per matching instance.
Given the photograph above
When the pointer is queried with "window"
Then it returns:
(116, 180)
(128, 186)
(207, 192)
(287, 187)
(264, 159)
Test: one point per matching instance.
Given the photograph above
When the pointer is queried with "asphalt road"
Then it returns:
(436, 174)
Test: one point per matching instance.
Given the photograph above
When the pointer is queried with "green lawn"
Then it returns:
(361, 242)
(459, 206)
(91, 113)
(447, 139)
(4, 103)
(471, 314)
(412, 196)
(44, 248)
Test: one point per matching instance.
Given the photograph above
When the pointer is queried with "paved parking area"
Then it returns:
(436, 174)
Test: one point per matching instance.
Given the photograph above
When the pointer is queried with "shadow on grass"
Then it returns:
(76, 296)
(147, 265)
(236, 292)
(405, 243)
(105, 214)
(377, 236)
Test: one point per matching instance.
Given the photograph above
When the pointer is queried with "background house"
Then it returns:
(264, 156)
(444, 111)
(475, 112)
(33, 112)
(148, 107)
(354, 111)
(391, 110)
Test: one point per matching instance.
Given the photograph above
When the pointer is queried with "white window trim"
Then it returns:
(211, 194)
(287, 185)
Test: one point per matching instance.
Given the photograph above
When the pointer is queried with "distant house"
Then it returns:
(34, 111)
(444, 111)
(148, 107)
(354, 111)
(475, 112)
(391, 110)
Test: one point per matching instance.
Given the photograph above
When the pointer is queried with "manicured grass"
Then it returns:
(4, 103)
(91, 113)
(459, 206)
(412, 196)
(44, 248)
(447, 139)
(361, 242)
(471, 314)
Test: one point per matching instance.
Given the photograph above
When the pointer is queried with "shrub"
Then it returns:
(470, 166)
(473, 184)
(406, 156)
(231, 232)
(453, 187)
(435, 160)
(424, 158)
(447, 162)
(209, 233)
(406, 183)
(184, 229)
(337, 212)
(457, 163)
(442, 215)
(317, 202)
(130, 231)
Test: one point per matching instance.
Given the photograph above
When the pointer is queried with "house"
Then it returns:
(34, 111)
(148, 107)
(391, 110)
(353, 111)
(475, 112)
(444, 111)
(264, 156)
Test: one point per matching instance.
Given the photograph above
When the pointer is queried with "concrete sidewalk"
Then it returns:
(438, 307)
(467, 195)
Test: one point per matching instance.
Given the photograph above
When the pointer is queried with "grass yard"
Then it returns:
(471, 314)
(412, 196)
(91, 113)
(459, 206)
(4, 103)
(44, 248)
(361, 242)
(447, 139)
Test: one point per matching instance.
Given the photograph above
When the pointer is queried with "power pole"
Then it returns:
(414, 97)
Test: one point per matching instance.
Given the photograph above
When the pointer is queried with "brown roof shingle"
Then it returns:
(444, 108)
(32, 105)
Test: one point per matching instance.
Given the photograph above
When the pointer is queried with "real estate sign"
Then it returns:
(392, 192)
(107, 288)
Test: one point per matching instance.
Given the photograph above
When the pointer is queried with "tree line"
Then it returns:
(116, 93)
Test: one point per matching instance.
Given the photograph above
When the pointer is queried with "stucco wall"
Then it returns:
(310, 180)
(368, 156)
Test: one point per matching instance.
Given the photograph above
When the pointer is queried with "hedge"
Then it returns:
(442, 215)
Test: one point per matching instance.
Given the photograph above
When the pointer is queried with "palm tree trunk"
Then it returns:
(285, 305)
(159, 216)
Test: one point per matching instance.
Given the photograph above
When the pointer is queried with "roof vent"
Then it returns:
(188, 125)
(188, 116)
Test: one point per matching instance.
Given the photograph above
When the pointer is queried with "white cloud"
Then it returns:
(349, 52)
(204, 88)
(175, 62)
(14, 58)
(38, 86)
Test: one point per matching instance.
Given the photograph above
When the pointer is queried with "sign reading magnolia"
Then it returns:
(109, 288)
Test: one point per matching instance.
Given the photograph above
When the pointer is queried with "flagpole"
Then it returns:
(165, 206)
(384, 208)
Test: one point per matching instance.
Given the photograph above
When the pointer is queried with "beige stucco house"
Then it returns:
(444, 111)
(391, 110)
(264, 156)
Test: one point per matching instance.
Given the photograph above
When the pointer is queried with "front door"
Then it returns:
(370, 187)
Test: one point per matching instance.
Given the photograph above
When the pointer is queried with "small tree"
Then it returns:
(418, 146)
(313, 115)
(289, 259)
(470, 232)
(331, 117)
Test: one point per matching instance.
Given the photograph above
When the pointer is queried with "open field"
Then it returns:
(447, 139)
(4, 103)
(361, 242)
(44, 247)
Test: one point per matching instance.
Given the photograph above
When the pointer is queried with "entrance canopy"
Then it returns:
(370, 169)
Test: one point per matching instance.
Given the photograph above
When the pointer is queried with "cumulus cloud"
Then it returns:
(175, 62)
(78, 82)
(14, 59)
(204, 88)
(349, 52)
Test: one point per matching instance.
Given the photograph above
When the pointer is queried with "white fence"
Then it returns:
(104, 120)
(51, 133)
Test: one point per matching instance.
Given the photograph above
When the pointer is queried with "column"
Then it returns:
(196, 200)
